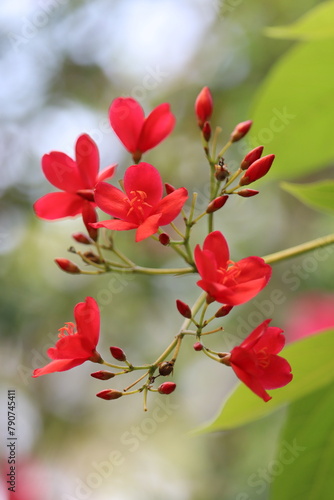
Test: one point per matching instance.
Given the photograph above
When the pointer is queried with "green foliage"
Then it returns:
(318, 195)
(312, 362)
(306, 453)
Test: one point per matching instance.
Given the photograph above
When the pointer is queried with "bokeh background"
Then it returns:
(62, 62)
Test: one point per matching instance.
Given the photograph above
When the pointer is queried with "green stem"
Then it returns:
(224, 149)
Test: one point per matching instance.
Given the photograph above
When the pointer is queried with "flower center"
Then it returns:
(231, 273)
(68, 329)
(137, 204)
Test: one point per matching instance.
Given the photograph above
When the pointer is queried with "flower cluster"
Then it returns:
(141, 205)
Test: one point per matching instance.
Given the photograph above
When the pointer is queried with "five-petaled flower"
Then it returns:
(142, 206)
(137, 133)
(77, 343)
(255, 360)
(76, 179)
(225, 281)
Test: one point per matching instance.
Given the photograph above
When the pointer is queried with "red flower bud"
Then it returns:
(216, 204)
(250, 157)
(166, 388)
(109, 394)
(67, 266)
(89, 216)
(183, 309)
(240, 130)
(223, 311)
(118, 353)
(164, 239)
(257, 170)
(81, 238)
(203, 106)
(206, 131)
(169, 188)
(102, 375)
(198, 346)
(247, 193)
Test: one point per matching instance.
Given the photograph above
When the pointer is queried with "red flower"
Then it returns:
(137, 133)
(141, 207)
(225, 281)
(255, 360)
(75, 347)
(76, 179)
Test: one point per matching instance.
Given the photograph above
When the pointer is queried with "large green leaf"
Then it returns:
(294, 109)
(303, 466)
(312, 364)
(319, 195)
(317, 24)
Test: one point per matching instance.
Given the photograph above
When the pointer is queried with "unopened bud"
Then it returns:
(247, 193)
(169, 188)
(117, 353)
(166, 368)
(89, 216)
(250, 157)
(223, 311)
(216, 204)
(164, 239)
(102, 375)
(257, 170)
(81, 238)
(240, 131)
(109, 394)
(166, 388)
(206, 131)
(183, 309)
(198, 346)
(203, 106)
(67, 266)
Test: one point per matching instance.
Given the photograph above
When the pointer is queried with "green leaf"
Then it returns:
(304, 461)
(317, 24)
(318, 195)
(312, 367)
(294, 109)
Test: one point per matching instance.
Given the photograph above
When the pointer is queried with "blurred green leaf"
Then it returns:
(317, 24)
(318, 195)
(294, 109)
(304, 461)
(312, 366)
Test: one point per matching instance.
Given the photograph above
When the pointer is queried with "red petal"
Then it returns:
(116, 225)
(58, 206)
(245, 367)
(252, 383)
(70, 347)
(272, 339)
(111, 200)
(148, 227)
(87, 318)
(277, 374)
(107, 173)
(157, 126)
(256, 334)
(144, 177)
(58, 366)
(206, 265)
(171, 205)
(253, 268)
(127, 119)
(88, 160)
(62, 172)
(216, 243)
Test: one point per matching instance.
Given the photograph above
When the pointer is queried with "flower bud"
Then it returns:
(198, 346)
(257, 170)
(203, 106)
(183, 309)
(109, 394)
(250, 157)
(240, 130)
(216, 204)
(67, 266)
(206, 131)
(166, 368)
(102, 375)
(89, 216)
(169, 188)
(81, 238)
(247, 193)
(117, 353)
(164, 239)
(223, 311)
(166, 388)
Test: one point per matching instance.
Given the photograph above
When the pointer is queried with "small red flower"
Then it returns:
(137, 133)
(142, 206)
(77, 343)
(225, 281)
(76, 180)
(255, 360)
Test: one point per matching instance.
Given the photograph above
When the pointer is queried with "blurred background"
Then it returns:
(62, 62)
